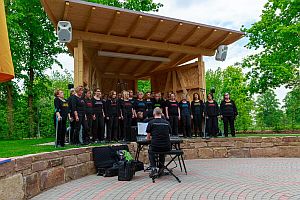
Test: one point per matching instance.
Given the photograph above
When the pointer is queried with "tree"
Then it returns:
(233, 81)
(277, 35)
(137, 5)
(268, 113)
(34, 47)
(292, 107)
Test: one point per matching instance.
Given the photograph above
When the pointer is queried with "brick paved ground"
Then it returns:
(253, 178)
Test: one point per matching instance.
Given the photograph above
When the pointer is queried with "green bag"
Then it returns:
(127, 155)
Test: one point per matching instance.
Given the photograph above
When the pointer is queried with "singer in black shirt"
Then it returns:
(228, 113)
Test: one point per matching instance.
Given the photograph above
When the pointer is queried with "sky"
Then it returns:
(230, 14)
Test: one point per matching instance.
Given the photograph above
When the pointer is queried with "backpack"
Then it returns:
(126, 171)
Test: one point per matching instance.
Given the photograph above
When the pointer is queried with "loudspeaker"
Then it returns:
(64, 31)
(221, 53)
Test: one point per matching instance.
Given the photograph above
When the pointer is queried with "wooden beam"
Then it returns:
(111, 24)
(204, 38)
(140, 43)
(66, 10)
(87, 22)
(80, 62)
(153, 29)
(134, 25)
(177, 68)
(76, 81)
(189, 35)
(220, 40)
(133, 56)
(172, 32)
(182, 82)
(168, 80)
(174, 81)
(202, 81)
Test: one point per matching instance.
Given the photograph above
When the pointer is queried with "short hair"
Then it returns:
(194, 95)
(79, 88)
(56, 92)
(111, 93)
(157, 111)
(95, 90)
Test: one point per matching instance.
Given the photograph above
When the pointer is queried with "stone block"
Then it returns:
(32, 186)
(228, 144)
(52, 177)
(252, 145)
(40, 166)
(266, 144)
(236, 153)
(190, 154)
(45, 156)
(220, 152)
(84, 157)
(214, 144)
(7, 168)
(70, 160)
(11, 188)
(23, 163)
(205, 153)
(265, 152)
(290, 151)
(56, 162)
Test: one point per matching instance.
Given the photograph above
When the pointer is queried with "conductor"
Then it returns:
(158, 131)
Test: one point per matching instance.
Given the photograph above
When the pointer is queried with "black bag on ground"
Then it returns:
(126, 171)
(104, 157)
(138, 165)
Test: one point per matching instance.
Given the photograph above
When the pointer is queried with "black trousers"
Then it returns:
(112, 128)
(98, 127)
(174, 124)
(186, 125)
(78, 124)
(212, 126)
(151, 156)
(72, 131)
(197, 121)
(61, 131)
(127, 128)
(230, 120)
(89, 126)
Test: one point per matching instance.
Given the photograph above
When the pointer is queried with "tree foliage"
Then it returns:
(233, 81)
(137, 5)
(277, 36)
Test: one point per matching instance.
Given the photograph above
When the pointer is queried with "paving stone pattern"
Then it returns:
(233, 178)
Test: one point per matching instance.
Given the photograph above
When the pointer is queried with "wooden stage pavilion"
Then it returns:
(113, 48)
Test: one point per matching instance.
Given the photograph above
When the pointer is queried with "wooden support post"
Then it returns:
(80, 62)
(76, 81)
(174, 82)
(202, 83)
(135, 86)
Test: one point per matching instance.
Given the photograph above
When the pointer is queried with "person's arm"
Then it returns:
(57, 108)
(74, 108)
(222, 108)
(106, 109)
(167, 112)
(178, 112)
(148, 130)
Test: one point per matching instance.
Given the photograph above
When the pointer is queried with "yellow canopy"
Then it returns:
(6, 65)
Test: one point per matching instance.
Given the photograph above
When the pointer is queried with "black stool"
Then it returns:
(173, 154)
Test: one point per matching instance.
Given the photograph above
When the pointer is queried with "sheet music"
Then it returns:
(142, 127)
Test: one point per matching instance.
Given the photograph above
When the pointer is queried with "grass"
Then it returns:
(12, 148)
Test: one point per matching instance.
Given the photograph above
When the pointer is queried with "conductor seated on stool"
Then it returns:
(158, 131)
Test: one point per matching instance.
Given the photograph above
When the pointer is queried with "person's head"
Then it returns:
(196, 96)
(120, 95)
(130, 93)
(148, 95)
(172, 96)
(157, 112)
(140, 115)
(183, 97)
(226, 96)
(79, 90)
(59, 93)
(113, 94)
(140, 95)
(72, 91)
(97, 92)
(210, 96)
(125, 95)
(157, 95)
(88, 94)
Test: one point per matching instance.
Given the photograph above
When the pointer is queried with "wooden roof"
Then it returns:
(110, 29)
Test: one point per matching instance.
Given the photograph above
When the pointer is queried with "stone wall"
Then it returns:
(30, 175)
(251, 147)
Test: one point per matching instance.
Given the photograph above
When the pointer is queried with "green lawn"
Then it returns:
(11, 148)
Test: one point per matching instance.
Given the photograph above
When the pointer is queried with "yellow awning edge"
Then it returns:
(6, 64)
